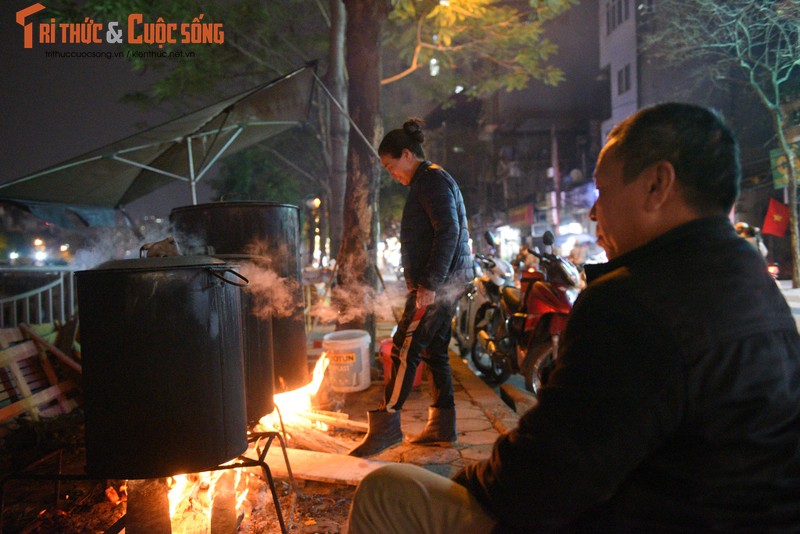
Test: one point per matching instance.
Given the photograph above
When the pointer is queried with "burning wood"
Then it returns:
(305, 425)
(309, 438)
(223, 507)
(148, 507)
(335, 419)
(209, 502)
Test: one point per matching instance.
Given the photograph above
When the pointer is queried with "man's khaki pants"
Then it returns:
(405, 498)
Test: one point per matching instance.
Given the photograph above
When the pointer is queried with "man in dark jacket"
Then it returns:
(437, 263)
(675, 403)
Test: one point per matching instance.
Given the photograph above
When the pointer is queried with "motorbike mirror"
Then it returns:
(489, 236)
(548, 238)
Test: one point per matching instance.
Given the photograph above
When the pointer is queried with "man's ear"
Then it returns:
(661, 185)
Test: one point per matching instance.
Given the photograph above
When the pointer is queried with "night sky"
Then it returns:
(56, 108)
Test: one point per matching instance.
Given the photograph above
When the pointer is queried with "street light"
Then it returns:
(313, 232)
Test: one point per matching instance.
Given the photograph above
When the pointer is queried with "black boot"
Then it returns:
(440, 428)
(384, 431)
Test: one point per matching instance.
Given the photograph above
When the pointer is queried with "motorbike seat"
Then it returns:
(511, 297)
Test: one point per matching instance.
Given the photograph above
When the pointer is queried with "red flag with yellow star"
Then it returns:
(777, 220)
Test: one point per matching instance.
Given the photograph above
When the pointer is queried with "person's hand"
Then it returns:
(425, 297)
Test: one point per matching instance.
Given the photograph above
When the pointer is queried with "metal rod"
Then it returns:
(192, 187)
(349, 119)
(218, 154)
(149, 168)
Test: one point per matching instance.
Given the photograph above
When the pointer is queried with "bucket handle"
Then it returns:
(231, 282)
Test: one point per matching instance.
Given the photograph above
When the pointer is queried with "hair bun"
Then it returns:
(413, 127)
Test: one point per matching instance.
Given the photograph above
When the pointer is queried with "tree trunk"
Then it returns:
(357, 275)
(339, 126)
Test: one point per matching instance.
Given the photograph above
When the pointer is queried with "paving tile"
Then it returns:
(485, 437)
(477, 453)
(431, 455)
(473, 424)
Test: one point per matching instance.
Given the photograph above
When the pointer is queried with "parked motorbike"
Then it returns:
(520, 332)
(492, 274)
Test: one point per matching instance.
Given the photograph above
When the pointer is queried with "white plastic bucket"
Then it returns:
(349, 360)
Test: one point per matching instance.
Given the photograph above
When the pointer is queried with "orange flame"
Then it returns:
(191, 496)
(291, 404)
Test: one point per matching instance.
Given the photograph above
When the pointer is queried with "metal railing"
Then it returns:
(52, 302)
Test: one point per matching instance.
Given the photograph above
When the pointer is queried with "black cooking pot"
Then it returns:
(162, 366)
(262, 233)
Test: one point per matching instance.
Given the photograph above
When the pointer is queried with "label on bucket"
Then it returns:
(349, 360)
(344, 369)
(342, 357)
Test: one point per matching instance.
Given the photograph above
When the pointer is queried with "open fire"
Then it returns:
(213, 501)
(290, 406)
(222, 500)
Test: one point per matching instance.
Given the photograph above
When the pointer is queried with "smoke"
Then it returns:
(451, 291)
(192, 244)
(354, 302)
(273, 295)
(114, 244)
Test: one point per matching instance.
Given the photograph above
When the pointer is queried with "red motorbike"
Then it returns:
(520, 333)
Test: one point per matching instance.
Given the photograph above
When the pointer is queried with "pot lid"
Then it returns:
(156, 264)
(235, 204)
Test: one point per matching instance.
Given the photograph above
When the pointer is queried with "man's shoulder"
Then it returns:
(608, 287)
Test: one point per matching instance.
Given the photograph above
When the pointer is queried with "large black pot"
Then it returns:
(261, 233)
(162, 366)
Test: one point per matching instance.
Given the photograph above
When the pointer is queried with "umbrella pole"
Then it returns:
(193, 189)
(192, 184)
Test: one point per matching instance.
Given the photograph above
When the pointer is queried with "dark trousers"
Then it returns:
(422, 334)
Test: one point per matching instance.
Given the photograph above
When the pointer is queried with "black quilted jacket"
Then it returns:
(674, 406)
(433, 232)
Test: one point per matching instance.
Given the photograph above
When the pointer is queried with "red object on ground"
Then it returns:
(386, 358)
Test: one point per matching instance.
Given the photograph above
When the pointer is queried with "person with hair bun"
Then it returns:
(437, 264)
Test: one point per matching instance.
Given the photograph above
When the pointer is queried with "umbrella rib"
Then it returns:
(244, 124)
(348, 117)
(204, 169)
(149, 168)
(48, 171)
